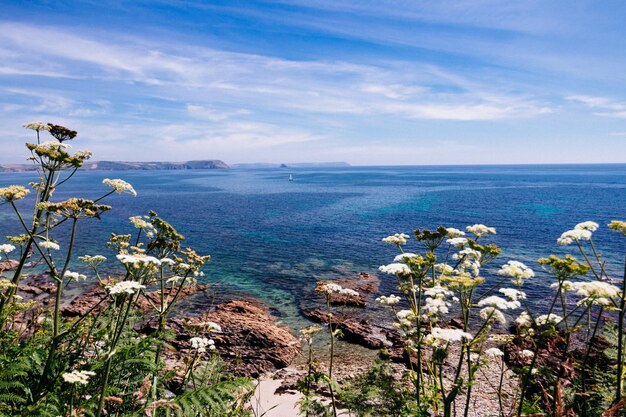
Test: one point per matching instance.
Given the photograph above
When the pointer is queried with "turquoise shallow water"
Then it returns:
(272, 238)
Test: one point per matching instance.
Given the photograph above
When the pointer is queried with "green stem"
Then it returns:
(620, 340)
(332, 352)
(57, 300)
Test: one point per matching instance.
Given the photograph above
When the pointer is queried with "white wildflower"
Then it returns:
(405, 318)
(78, 377)
(53, 145)
(403, 257)
(444, 269)
(138, 261)
(395, 268)
(527, 354)
(452, 232)
(38, 126)
(397, 239)
(47, 244)
(591, 226)
(467, 253)
(142, 223)
(6, 248)
(74, 276)
(516, 270)
(174, 280)
(202, 343)
(567, 238)
(435, 306)
(92, 261)
(596, 289)
(492, 315)
(457, 242)
(125, 287)
(499, 302)
(450, 335)
(548, 318)
(513, 294)
(388, 301)
(438, 292)
(524, 320)
(566, 285)
(331, 288)
(213, 327)
(349, 292)
(494, 353)
(120, 186)
(480, 230)
(13, 193)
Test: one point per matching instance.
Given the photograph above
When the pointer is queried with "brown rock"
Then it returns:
(250, 340)
(354, 331)
(10, 265)
(363, 283)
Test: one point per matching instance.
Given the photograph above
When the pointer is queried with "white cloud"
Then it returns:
(608, 107)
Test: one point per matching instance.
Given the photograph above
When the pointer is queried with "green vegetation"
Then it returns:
(568, 361)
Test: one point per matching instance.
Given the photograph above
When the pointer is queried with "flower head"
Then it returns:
(61, 133)
(403, 257)
(494, 353)
(516, 270)
(388, 301)
(395, 268)
(12, 193)
(479, 230)
(548, 318)
(618, 226)
(74, 276)
(120, 186)
(6, 248)
(38, 126)
(125, 287)
(591, 226)
(498, 302)
(78, 377)
(92, 261)
(48, 244)
(447, 335)
(574, 235)
(452, 232)
(397, 239)
(202, 343)
(493, 315)
(331, 288)
(457, 242)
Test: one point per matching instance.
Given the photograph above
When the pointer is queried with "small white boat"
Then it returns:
(290, 177)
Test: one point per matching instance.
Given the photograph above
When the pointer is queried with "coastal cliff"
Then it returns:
(125, 166)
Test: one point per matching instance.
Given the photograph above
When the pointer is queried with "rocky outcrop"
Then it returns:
(250, 339)
(355, 330)
(363, 283)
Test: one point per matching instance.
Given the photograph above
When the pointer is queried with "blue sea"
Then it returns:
(272, 238)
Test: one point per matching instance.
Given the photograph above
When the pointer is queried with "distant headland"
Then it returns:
(126, 166)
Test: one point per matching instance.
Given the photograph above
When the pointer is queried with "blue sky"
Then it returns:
(367, 82)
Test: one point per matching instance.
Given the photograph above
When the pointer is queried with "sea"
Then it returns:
(272, 238)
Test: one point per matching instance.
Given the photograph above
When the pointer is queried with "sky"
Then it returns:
(395, 82)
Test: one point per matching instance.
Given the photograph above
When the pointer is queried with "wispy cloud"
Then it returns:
(607, 107)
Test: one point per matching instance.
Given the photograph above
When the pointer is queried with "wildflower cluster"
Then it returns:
(78, 377)
(120, 186)
(201, 344)
(125, 287)
(13, 193)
